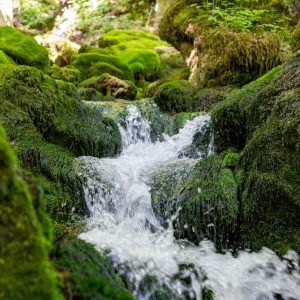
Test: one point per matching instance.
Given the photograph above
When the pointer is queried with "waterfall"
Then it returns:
(122, 221)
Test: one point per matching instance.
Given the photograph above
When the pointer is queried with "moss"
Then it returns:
(229, 116)
(262, 120)
(26, 269)
(135, 48)
(68, 74)
(4, 59)
(109, 85)
(295, 42)
(218, 55)
(49, 127)
(208, 198)
(94, 64)
(23, 49)
(89, 94)
(87, 274)
(174, 96)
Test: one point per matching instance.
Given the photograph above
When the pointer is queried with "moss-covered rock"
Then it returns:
(110, 85)
(69, 74)
(295, 42)
(87, 273)
(262, 120)
(89, 94)
(26, 271)
(94, 64)
(49, 127)
(23, 49)
(219, 54)
(5, 59)
(135, 48)
(174, 96)
(205, 199)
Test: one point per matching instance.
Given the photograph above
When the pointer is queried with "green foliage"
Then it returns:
(38, 14)
(26, 271)
(109, 15)
(88, 274)
(23, 49)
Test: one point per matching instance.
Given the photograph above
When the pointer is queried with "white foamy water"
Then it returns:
(122, 220)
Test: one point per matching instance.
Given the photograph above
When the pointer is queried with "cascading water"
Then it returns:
(122, 220)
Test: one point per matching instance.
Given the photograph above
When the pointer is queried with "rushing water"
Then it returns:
(122, 220)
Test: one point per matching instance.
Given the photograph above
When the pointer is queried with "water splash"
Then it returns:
(122, 220)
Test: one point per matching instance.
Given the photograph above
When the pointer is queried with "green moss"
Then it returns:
(221, 55)
(23, 49)
(94, 64)
(89, 94)
(136, 49)
(49, 127)
(262, 120)
(229, 116)
(295, 42)
(26, 269)
(174, 96)
(110, 85)
(4, 59)
(208, 197)
(88, 274)
(68, 74)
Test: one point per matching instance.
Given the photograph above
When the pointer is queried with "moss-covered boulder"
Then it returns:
(94, 64)
(87, 273)
(110, 85)
(26, 271)
(174, 96)
(205, 198)
(5, 59)
(180, 96)
(23, 49)
(89, 94)
(262, 120)
(136, 49)
(69, 74)
(220, 54)
(49, 127)
(295, 43)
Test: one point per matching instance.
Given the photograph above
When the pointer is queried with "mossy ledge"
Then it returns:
(26, 272)
(49, 126)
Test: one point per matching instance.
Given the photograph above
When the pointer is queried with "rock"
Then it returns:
(205, 199)
(111, 86)
(60, 50)
(94, 64)
(26, 271)
(23, 49)
(89, 273)
(218, 55)
(295, 42)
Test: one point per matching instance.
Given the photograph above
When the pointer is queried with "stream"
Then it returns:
(152, 262)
